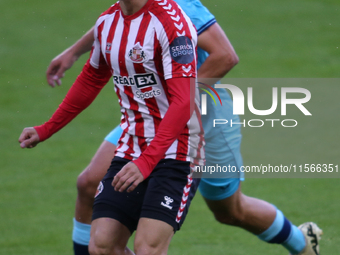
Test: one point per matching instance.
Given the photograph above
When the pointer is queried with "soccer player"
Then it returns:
(223, 196)
(149, 48)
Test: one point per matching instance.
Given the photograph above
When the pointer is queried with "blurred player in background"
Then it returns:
(216, 57)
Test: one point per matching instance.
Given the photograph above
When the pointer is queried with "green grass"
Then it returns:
(274, 39)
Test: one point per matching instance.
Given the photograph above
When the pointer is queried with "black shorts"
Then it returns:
(165, 195)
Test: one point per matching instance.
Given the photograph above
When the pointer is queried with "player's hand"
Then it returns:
(58, 66)
(128, 177)
(29, 138)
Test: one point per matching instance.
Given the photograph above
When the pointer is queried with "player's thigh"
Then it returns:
(99, 164)
(216, 190)
(169, 193)
(152, 242)
(108, 234)
(225, 206)
(222, 173)
(121, 206)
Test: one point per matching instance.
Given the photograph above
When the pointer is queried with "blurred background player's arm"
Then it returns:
(222, 56)
(66, 59)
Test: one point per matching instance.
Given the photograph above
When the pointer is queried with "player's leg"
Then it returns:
(109, 237)
(89, 179)
(223, 195)
(251, 214)
(87, 184)
(260, 218)
(115, 214)
(231, 207)
(167, 199)
(155, 242)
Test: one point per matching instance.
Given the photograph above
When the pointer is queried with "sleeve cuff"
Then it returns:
(143, 167)
(41, 132)
(206, 26)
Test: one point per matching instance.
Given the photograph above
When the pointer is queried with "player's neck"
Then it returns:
(130, 7)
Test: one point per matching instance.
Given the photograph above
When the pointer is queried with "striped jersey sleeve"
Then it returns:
(178, 39)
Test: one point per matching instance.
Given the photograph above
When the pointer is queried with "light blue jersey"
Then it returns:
(222, 142)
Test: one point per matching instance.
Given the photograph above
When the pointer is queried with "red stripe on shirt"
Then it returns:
(109, 39)
(159, 68)
(174, 29)
(124, 72)
(139, 68)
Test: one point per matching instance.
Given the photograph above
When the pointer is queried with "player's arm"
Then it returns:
(95, 74)
(66, 59)
(222, 56)
(182, 91)
(81, 94)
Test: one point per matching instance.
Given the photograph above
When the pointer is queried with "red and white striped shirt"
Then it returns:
(152, 56)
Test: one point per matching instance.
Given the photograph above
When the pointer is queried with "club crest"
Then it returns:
(137, 54)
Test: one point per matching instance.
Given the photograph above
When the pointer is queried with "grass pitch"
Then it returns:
(274, 39)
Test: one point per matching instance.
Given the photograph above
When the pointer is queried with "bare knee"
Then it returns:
(233, 217)
(96, 250)
(229, 211)
(142, 248)
(100, 246)
(155, 242)
(86, 185)
(108, 237)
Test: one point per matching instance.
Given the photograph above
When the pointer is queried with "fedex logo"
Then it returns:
(138, 80)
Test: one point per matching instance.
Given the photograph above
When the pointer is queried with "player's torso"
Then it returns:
(143, 51)
(130, 48)
(133, 46)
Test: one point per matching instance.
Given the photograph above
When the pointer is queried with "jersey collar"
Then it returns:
(135, 15)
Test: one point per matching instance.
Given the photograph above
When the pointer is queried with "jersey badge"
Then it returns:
(182, 50)
(108, 48)
(137, 54)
